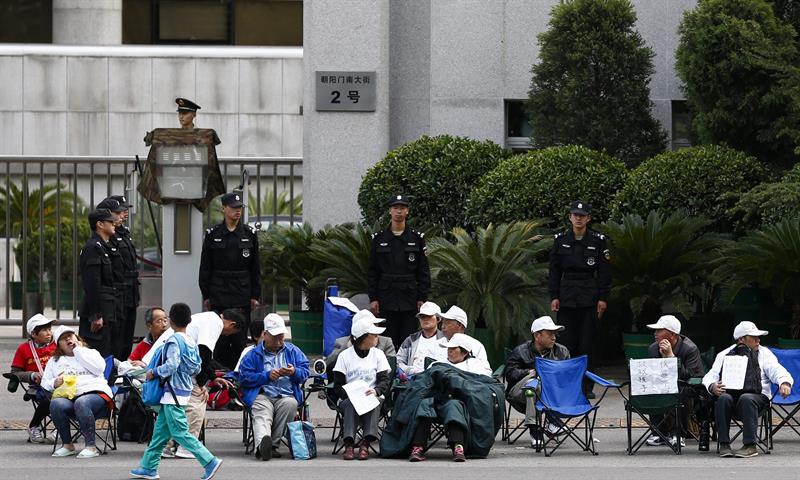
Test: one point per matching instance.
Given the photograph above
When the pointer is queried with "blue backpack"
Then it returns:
(153, 390)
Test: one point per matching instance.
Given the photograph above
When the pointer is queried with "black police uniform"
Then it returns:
(398, 278)
(230, 275)
(99, 296)
(129, 288)
(579, 277)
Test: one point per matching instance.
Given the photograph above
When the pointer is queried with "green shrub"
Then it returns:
(793, 174)
(436, 172)
(53, 265)
(766, 204)
(695, 180)
(542, 183)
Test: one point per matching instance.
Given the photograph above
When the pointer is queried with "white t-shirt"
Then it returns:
(427, 347)
(86, 363)
(356, 368)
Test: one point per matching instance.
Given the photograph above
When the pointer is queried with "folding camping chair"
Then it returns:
(559, 396)
(763, 433)
(29, 394)
(787, 408)
(659, 403)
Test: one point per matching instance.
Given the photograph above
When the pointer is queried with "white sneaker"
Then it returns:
(167, 452)
(654, 441)
(553, 429)
(674, 440)
(36, 435)
(181, 452)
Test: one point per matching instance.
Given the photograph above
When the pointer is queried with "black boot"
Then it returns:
(705, 436)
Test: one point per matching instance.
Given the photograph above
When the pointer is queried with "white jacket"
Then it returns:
(771, 370)
(86, 363)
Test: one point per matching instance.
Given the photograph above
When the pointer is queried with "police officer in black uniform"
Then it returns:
(98, 309)
(118, 272)
(579, 281)
(230, 273)
(399, 278)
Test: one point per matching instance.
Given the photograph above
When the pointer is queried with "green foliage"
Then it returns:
(286, 260)
(663, 258)
(590, 86)
(765, 204)
(768, 258)
(542, 183)
(695, 180)
(793, 174)
(436, 172)
(280, 205)
(53, 209)
(345, 254)
(738, 64)
(52, 264)
(494, 276)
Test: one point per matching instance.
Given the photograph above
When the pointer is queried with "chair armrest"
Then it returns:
(602, 381)
(499, 372)
(532, 384)
(695, 382)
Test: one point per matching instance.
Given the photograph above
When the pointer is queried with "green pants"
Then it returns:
(171, 423)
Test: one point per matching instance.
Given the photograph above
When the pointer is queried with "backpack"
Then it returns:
(752, 376)
(134, 423)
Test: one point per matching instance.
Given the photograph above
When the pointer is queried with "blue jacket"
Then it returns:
(181, 363)
(253, 376)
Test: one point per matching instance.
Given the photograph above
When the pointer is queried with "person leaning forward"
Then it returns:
(98, 309)
(399, 278)
(579, 281)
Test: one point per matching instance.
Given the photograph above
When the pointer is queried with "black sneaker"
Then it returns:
(590, 395)
(276, 453)
(265, 448)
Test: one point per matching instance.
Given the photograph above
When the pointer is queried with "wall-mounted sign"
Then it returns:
(346, 91)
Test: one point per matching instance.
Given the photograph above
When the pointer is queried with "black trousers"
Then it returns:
(579, 333)
(455, 433)
(400, 325)
(746, 408)
(122, 333)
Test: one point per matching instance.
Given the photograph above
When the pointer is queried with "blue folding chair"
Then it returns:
(559, 395)
(787, 408)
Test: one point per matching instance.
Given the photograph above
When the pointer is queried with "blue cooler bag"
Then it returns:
(302, 441)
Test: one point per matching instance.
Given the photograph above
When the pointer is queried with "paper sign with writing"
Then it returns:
(734, 368)
(653, 376)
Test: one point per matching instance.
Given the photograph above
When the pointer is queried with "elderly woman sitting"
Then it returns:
(73, 361)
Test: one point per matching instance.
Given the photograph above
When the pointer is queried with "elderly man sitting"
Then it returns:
(271, 378)
(762, 370)
(520, 370)
(454, 320)
(422, 344)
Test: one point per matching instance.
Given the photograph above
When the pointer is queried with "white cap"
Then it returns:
(428, 309)
(455, 313)
(667, 322)
(364, 323)
(747, 328)
(545, 323)
(61, 330)
(274, 324)
(37, 321)
(366, 315)
(457, 340)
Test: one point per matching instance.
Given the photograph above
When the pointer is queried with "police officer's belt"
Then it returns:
(231, 273)
(397, 277)
(131, 273)
(577, 275)
(106, 290)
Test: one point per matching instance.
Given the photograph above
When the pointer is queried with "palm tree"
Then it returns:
(280, 205)
(496, 276)
(345, 252)
(52, 211)
(659, 260)
(770, 259)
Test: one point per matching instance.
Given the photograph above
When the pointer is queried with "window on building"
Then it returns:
(681, 125)
(26, 21)
(518, 129)
(213, 22)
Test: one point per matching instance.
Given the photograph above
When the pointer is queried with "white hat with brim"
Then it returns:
(429, 309)
(747, 329)
(37, 321)
(455, 313)
(366, 315)
(545, 323)
(364, 323)
(667, 322)
(456, 341)
(274, 324)
(61, 330)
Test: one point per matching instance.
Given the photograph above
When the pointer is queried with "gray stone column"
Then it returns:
(338, 147)
(87, 22)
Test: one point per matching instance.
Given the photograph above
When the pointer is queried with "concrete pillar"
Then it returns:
(338, 147)
(87, 22)
(180, 270)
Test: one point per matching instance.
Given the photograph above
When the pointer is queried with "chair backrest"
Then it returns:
(109, 368)
(636, 345)
(788, 343)
(562, 380)
(790, 360)
(708, 357)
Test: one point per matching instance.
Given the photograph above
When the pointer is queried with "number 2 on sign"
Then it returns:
(336, 96)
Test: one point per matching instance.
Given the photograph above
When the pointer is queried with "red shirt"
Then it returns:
(140, 351)
(24, 357)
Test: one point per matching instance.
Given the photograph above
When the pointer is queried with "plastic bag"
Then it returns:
(68, 389)
(302, 441)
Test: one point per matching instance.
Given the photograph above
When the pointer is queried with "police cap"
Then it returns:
(122, 201)
(399, 200)
(579, 207)
(99, 215)
(111, 205)
(186, 105)
(233, 200)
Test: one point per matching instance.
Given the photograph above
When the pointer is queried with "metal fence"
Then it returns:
(44, 201)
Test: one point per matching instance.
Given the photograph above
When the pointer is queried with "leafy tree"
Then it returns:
(591, 85)
(738, 64)
(53, 209)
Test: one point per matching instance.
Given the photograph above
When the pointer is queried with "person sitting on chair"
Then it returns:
(670, 343)
(256, 331)
(364, 362)
(28, 366)
(73, 361)
(341, 344)
(454, 320)
(422, 344)
(763, 369)
(520, 370)
(271, 377)
(156, 321)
